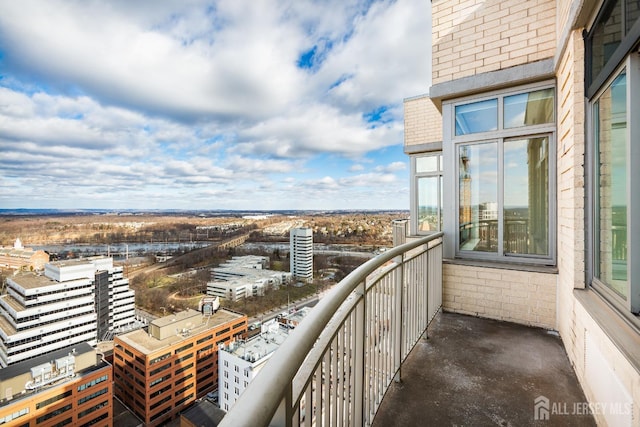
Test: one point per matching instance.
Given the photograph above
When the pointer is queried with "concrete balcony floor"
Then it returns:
(480, 372)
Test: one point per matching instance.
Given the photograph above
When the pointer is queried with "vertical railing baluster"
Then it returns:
(398, 327)
(359, 366)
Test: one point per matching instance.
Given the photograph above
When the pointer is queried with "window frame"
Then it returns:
(631, 304)
(451, 143)
(415, 188)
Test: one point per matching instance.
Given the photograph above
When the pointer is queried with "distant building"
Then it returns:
(301, 253)
(18, 257)
(70, 386)
(245, 276)
(240, 362)
(72, 302)
(160, 372)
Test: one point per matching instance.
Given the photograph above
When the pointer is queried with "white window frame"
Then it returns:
(415, 197)
(450, 145)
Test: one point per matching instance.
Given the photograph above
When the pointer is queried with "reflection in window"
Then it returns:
(526, 109)
(478, 181)
(632, 9)
(526, 196)
(476, 117)
(610, 119)
(607, 35)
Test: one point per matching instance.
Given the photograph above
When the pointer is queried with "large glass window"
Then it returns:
(610, 137)
(504, 180)
(428, 171)
(478, 192)
(613, 154)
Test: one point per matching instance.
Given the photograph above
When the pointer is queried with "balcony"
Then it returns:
(362, 357)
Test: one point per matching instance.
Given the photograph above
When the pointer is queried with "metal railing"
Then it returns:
(336, 366)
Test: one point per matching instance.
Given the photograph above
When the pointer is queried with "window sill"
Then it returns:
(504, 265)
(623, 331)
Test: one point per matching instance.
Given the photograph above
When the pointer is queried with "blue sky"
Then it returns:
(269, 104)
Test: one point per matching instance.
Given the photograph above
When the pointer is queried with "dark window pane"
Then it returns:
(607, 35)
(633, 13)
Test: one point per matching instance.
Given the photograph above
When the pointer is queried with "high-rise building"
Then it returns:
(72, 302)
(301, 253)
(115, 302)
(69, 386)
(43, 313)
(160, 372)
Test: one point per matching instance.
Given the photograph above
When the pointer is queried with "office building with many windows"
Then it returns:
(160, 372)
(43, 313)
(70, 386)
(72, 302)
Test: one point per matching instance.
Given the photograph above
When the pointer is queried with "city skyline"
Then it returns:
(200, 105)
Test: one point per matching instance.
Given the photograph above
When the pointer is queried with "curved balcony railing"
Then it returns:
(336, 366)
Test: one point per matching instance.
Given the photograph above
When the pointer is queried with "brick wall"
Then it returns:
(474, 36)
(422, 121)
(516, 296)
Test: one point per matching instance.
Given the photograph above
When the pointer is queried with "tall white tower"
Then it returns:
(301, 253)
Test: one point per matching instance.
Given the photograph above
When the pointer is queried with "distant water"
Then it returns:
(133, 249)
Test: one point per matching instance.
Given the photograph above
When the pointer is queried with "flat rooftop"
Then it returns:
(259, 346)
(29, 280)
(480, 372)
(142, 341)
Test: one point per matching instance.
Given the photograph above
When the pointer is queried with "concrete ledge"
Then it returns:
(532, 268)
(621, 331)
(520, 74)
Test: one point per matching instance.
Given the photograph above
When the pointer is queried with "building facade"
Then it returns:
(115, 301)
(245, 276)
(43, 313)
(239, 362)
(70, 386)
(18, 257)
(301, 253)
(72, 302)
(160, 372)
(523, 153)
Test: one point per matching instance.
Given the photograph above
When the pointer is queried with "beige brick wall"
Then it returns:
(422, 121)
(516, 296)
(574, 321)
(570, 161)
(474, 36)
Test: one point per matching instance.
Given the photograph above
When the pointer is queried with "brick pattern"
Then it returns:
(422, 121)
(516, 296)
(474, 36)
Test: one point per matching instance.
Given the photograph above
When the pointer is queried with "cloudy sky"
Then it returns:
(232, 104)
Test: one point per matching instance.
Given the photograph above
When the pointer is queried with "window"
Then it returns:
(612, 62)
(428, 188)
(499, 171)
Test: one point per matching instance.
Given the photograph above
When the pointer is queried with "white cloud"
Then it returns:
(203, 102)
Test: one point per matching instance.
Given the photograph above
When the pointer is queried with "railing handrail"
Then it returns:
(262, 397)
